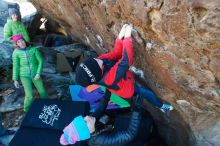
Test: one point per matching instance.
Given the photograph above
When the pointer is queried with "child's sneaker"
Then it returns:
(166, 107)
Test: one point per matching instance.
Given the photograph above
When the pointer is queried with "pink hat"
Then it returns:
(76, 131)
(17, 37)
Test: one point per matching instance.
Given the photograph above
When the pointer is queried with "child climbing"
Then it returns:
(27, 65)
(112, 71)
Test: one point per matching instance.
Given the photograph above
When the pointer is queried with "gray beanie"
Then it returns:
(13, 11)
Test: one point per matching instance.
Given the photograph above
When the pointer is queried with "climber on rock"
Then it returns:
(112, 71)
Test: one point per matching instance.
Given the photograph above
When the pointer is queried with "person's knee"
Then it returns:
(28, 92)
(28, 95)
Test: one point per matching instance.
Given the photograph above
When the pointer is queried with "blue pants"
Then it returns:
(148, 94)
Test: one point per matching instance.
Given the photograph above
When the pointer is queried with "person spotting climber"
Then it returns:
(112, 71)
(27, 64)
(15, 26)
(86, 128)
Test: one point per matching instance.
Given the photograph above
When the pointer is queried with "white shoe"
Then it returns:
(122, 32)
(128, 31)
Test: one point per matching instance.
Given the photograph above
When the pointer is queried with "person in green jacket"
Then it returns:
(27, 64)
(15, 26)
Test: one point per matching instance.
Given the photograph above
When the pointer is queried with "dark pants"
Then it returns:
(148, 94)
(2, 129)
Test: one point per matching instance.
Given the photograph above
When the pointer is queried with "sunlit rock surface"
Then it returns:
(177, 45)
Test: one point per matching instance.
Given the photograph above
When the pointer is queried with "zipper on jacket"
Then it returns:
(28, 57)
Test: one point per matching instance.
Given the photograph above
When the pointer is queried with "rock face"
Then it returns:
(177, 45)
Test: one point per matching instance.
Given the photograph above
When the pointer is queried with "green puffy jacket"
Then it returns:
(26, 62)
(15, 27)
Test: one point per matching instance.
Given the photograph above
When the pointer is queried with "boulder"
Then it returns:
(176, 44)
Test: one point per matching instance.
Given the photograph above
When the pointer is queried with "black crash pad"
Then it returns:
(44, 122)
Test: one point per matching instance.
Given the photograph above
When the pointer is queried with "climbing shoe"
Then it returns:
(122, 32)
(128, 31)
(166, 107)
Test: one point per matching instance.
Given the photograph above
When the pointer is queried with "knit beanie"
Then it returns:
(88, 72)
(16, 37)
(77, 130)
(13, 11)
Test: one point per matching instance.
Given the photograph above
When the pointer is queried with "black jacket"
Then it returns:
(118, 138)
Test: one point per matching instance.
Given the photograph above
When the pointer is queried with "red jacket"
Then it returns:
(116, 76)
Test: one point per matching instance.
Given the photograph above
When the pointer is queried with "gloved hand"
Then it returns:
(128, 31)
(16, 84)
(122, 32)
(137, 102)
(37, 77)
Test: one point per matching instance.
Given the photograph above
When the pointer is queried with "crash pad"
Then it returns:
(44, 122)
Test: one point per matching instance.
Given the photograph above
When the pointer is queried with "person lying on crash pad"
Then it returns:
(84, 128)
